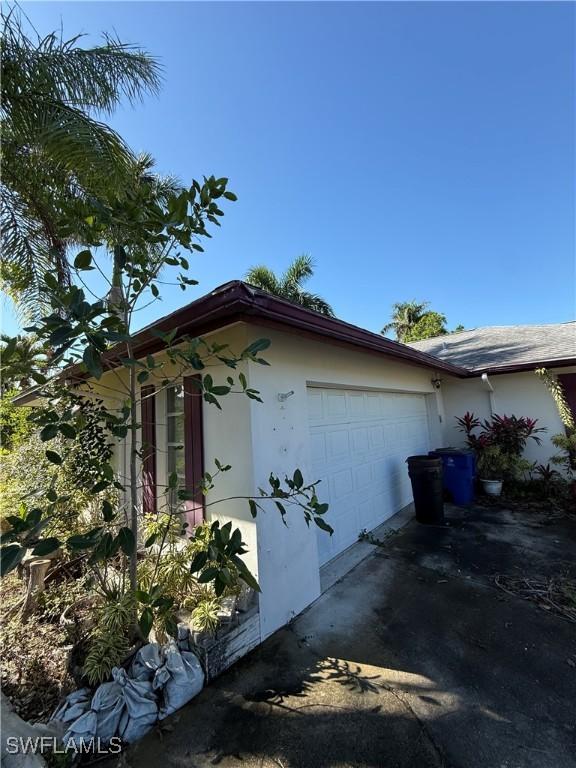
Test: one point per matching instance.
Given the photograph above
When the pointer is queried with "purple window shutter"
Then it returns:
(148, 412)
(193, 449)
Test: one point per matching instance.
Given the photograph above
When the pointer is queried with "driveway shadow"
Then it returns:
(412, 660)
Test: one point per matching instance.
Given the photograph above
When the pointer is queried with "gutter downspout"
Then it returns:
(486, 380)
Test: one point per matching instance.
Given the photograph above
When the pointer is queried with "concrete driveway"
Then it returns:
(414, 659)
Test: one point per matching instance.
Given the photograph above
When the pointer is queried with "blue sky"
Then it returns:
(416, 150)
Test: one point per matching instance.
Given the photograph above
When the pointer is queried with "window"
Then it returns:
(175, 437)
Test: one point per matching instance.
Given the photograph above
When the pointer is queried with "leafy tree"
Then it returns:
(405, 315)
(58, 158)
(289, 285)
(412, 321)
(430, 324)
(14, 424)
(96, 335)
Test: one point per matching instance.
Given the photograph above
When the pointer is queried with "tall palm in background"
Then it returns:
(18, 356)
(58, 158)
(405, 315)
(289, 285)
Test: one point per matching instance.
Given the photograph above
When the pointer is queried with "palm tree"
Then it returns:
(56, 153)
(18, 356)
(405, 315)
(289, 285)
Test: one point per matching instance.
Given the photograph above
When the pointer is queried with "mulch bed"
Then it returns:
(33, 657)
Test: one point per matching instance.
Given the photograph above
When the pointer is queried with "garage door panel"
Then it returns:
(315, 405)
(362, 477)
(341, 484)
(335, 404)
(359, 444)
(337, 444)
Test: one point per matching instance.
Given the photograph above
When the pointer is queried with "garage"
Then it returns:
(359, 443)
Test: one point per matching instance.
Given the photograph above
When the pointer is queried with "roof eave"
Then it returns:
(495, 370)
(238, 301)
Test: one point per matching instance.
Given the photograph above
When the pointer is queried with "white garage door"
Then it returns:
(359, 445)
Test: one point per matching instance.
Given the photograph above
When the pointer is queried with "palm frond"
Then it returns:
(262, 277)
(316, 303)
(96, 78)
(298, 272)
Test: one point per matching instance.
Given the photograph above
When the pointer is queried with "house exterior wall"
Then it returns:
(288, 563)
(273, 436)
(518, 394)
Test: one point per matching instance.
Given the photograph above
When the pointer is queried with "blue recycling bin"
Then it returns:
(459, 471)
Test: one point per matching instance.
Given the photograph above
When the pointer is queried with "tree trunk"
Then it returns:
(37, 571)
(133, 474)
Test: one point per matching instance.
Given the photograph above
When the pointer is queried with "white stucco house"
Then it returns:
(501, 361)
(344, 405)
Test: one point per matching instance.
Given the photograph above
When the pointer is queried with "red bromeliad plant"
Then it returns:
(509, 433)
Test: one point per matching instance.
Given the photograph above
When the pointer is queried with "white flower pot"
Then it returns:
(492, 487)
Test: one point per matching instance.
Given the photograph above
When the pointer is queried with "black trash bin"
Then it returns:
(426, 477)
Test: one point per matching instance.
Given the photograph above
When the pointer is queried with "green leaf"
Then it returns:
(208, 575)
(173, 480)
(143, 376)
(209, 398)
(105, 548)
(83, 260)
(146, 621)
(127, 541)
(67, 430)
(100, 486)
(84, 540)
(245, 574)
(298, 480)
(321, 523)
(199, 561)
(10, 556)
(46, 546)
(54, 457)
(49, 432)
(257, 346)
(220, 391)
(141, 596)
(107, 511)
(33, 517)
(92, 361)
(150, 540)
(171, 625)
(253, 507)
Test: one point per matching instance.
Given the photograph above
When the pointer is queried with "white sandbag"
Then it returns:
(179, 679)
(81, 730)
(140, 706)
(124, 707)
(146, 662)
(74, 705)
